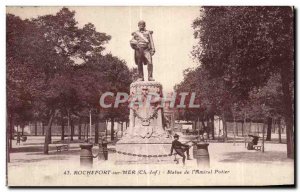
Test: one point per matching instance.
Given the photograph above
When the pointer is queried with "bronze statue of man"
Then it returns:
(143, 46)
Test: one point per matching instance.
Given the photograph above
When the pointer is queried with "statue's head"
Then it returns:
(141, 24)
(145, 91)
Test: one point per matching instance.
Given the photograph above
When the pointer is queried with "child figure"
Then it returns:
(180, 149)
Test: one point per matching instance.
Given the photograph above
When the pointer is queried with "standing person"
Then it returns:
(180, 149)
(143, 46)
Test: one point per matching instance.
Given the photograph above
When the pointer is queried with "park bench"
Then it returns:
(257, 147)
(23, 138)
(254, 144)
(62, 145)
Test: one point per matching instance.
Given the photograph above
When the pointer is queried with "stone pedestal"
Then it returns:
(143, 153)
(145, 140)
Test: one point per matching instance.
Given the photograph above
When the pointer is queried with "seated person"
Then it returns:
(253, 142)
(180, 148)
(187, 131)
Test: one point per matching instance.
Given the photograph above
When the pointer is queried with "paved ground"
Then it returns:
(244, 167)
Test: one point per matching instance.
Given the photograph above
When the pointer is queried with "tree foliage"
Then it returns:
(54, 66)
(246, 62)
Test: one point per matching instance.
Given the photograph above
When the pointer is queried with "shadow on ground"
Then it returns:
(72, 151)
(25, 149)
(53, 155)
(28, 149)
(48, 157)
(255, 156)
(25, 144)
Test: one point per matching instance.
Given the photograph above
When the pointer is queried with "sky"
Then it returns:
(172, 27)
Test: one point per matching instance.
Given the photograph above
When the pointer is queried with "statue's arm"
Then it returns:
(151, 41)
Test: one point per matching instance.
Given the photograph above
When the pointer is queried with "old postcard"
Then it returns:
(150, 96)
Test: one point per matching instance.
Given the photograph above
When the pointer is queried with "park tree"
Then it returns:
(28, 58)
(267, 100)
(81, 86)
(212, 94)
(117, 78)
(41, 51)
(73, 44)
(189, 84)
(63, 34)
(246, 46)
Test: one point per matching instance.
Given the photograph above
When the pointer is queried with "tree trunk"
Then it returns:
(207, 126)
(62, 128)
(212, 127)
(11, 130)
(194, 126)
(244, 123)
(35, 128)
(22, 129)
(72, 129)
(90, 124)
(237, 128)
(263, 138)
(122, 129)
(50, 135)
(243, 129)
(234, 130)
(112, 132)
(43, 129)
(79, 129)
(68, 115)
(96, 130)
(273, 125)
(219, 131)
(8, 137)
(279, 129)
(288, 108)
(202, 122)
(48, 132)
(224, 127)
(269, 129)
(106, 130)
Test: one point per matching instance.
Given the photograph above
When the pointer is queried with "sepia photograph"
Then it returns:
(150, 96)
